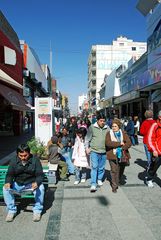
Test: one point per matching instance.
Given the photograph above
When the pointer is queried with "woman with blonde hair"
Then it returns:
(117, 143)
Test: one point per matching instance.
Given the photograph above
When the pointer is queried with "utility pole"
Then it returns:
(50, 59)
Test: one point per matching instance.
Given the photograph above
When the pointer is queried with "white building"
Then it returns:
(105, 58)
(81, 100)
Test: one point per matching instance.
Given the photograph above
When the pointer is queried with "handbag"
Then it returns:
(125, 157)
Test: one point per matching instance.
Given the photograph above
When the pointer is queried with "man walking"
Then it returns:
(95, 141)
(154, 146)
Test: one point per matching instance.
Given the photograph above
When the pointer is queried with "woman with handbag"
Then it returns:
(117, 145)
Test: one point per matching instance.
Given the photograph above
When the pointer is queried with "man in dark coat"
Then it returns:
(25, 172)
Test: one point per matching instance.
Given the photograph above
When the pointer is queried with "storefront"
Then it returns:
(133, 103)
(12, 104)
(12, 108)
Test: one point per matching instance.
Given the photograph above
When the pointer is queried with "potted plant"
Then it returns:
(37, 148)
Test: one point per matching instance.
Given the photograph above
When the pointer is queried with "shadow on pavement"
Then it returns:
(49, 199)
(157, 181)
(8, 144)
(103, 200)
(141, 163)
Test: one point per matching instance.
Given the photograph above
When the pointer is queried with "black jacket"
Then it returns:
(31, 172)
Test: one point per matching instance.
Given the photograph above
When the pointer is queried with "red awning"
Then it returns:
(15, 99)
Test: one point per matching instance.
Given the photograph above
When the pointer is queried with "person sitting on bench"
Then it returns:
(25, 171)
(55, 157)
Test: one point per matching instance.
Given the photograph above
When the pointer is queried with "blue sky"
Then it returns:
(72, 26)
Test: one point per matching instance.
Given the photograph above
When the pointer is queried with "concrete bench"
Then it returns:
(52, 174)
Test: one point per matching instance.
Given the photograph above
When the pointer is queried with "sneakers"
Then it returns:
(10, 217)
(150, 184)
(36, 217)
(93, 188)
(76, 182)
(83, 180)
(100, 183)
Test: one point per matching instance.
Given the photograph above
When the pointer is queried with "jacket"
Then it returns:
(111, 145)
(53, 154)
(154, 138)
(79, 154)
(96, 138)
(145, 126)
(130, 128)
(22, 175)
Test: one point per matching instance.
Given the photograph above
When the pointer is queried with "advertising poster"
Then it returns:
(43, 119)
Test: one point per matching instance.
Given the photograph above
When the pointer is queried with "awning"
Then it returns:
(14, 98)
(6, 78)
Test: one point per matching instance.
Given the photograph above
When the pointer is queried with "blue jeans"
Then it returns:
(148, 154)
(98, 161)
(9, 198)
(132, 140)
(66, 154)
(80, 173)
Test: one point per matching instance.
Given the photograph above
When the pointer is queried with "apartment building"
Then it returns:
(103, 59)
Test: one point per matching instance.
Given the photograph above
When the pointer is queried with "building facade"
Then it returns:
(140, 84)
(12, 104)
(105, 58)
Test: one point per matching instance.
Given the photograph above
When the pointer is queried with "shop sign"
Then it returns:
(127, 97)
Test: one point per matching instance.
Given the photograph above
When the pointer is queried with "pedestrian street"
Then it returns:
(73, 212)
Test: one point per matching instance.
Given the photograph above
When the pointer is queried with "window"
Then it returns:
(133, 48)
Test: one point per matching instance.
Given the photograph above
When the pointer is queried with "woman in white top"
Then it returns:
(79, 156)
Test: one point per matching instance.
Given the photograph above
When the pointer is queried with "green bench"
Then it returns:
(3, 171)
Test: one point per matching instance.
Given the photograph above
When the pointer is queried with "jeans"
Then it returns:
(80, 173)
(132, 140)
(148, 154)
(9, 198)
(98, 161)
(66, 154)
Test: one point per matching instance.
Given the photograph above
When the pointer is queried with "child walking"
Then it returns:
(79, 156)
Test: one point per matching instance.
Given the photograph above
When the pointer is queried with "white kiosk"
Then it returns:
(44, 129)
(43, 119)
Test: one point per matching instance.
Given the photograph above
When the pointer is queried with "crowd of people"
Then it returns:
(80, 146)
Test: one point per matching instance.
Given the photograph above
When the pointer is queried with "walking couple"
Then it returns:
(100, 143)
